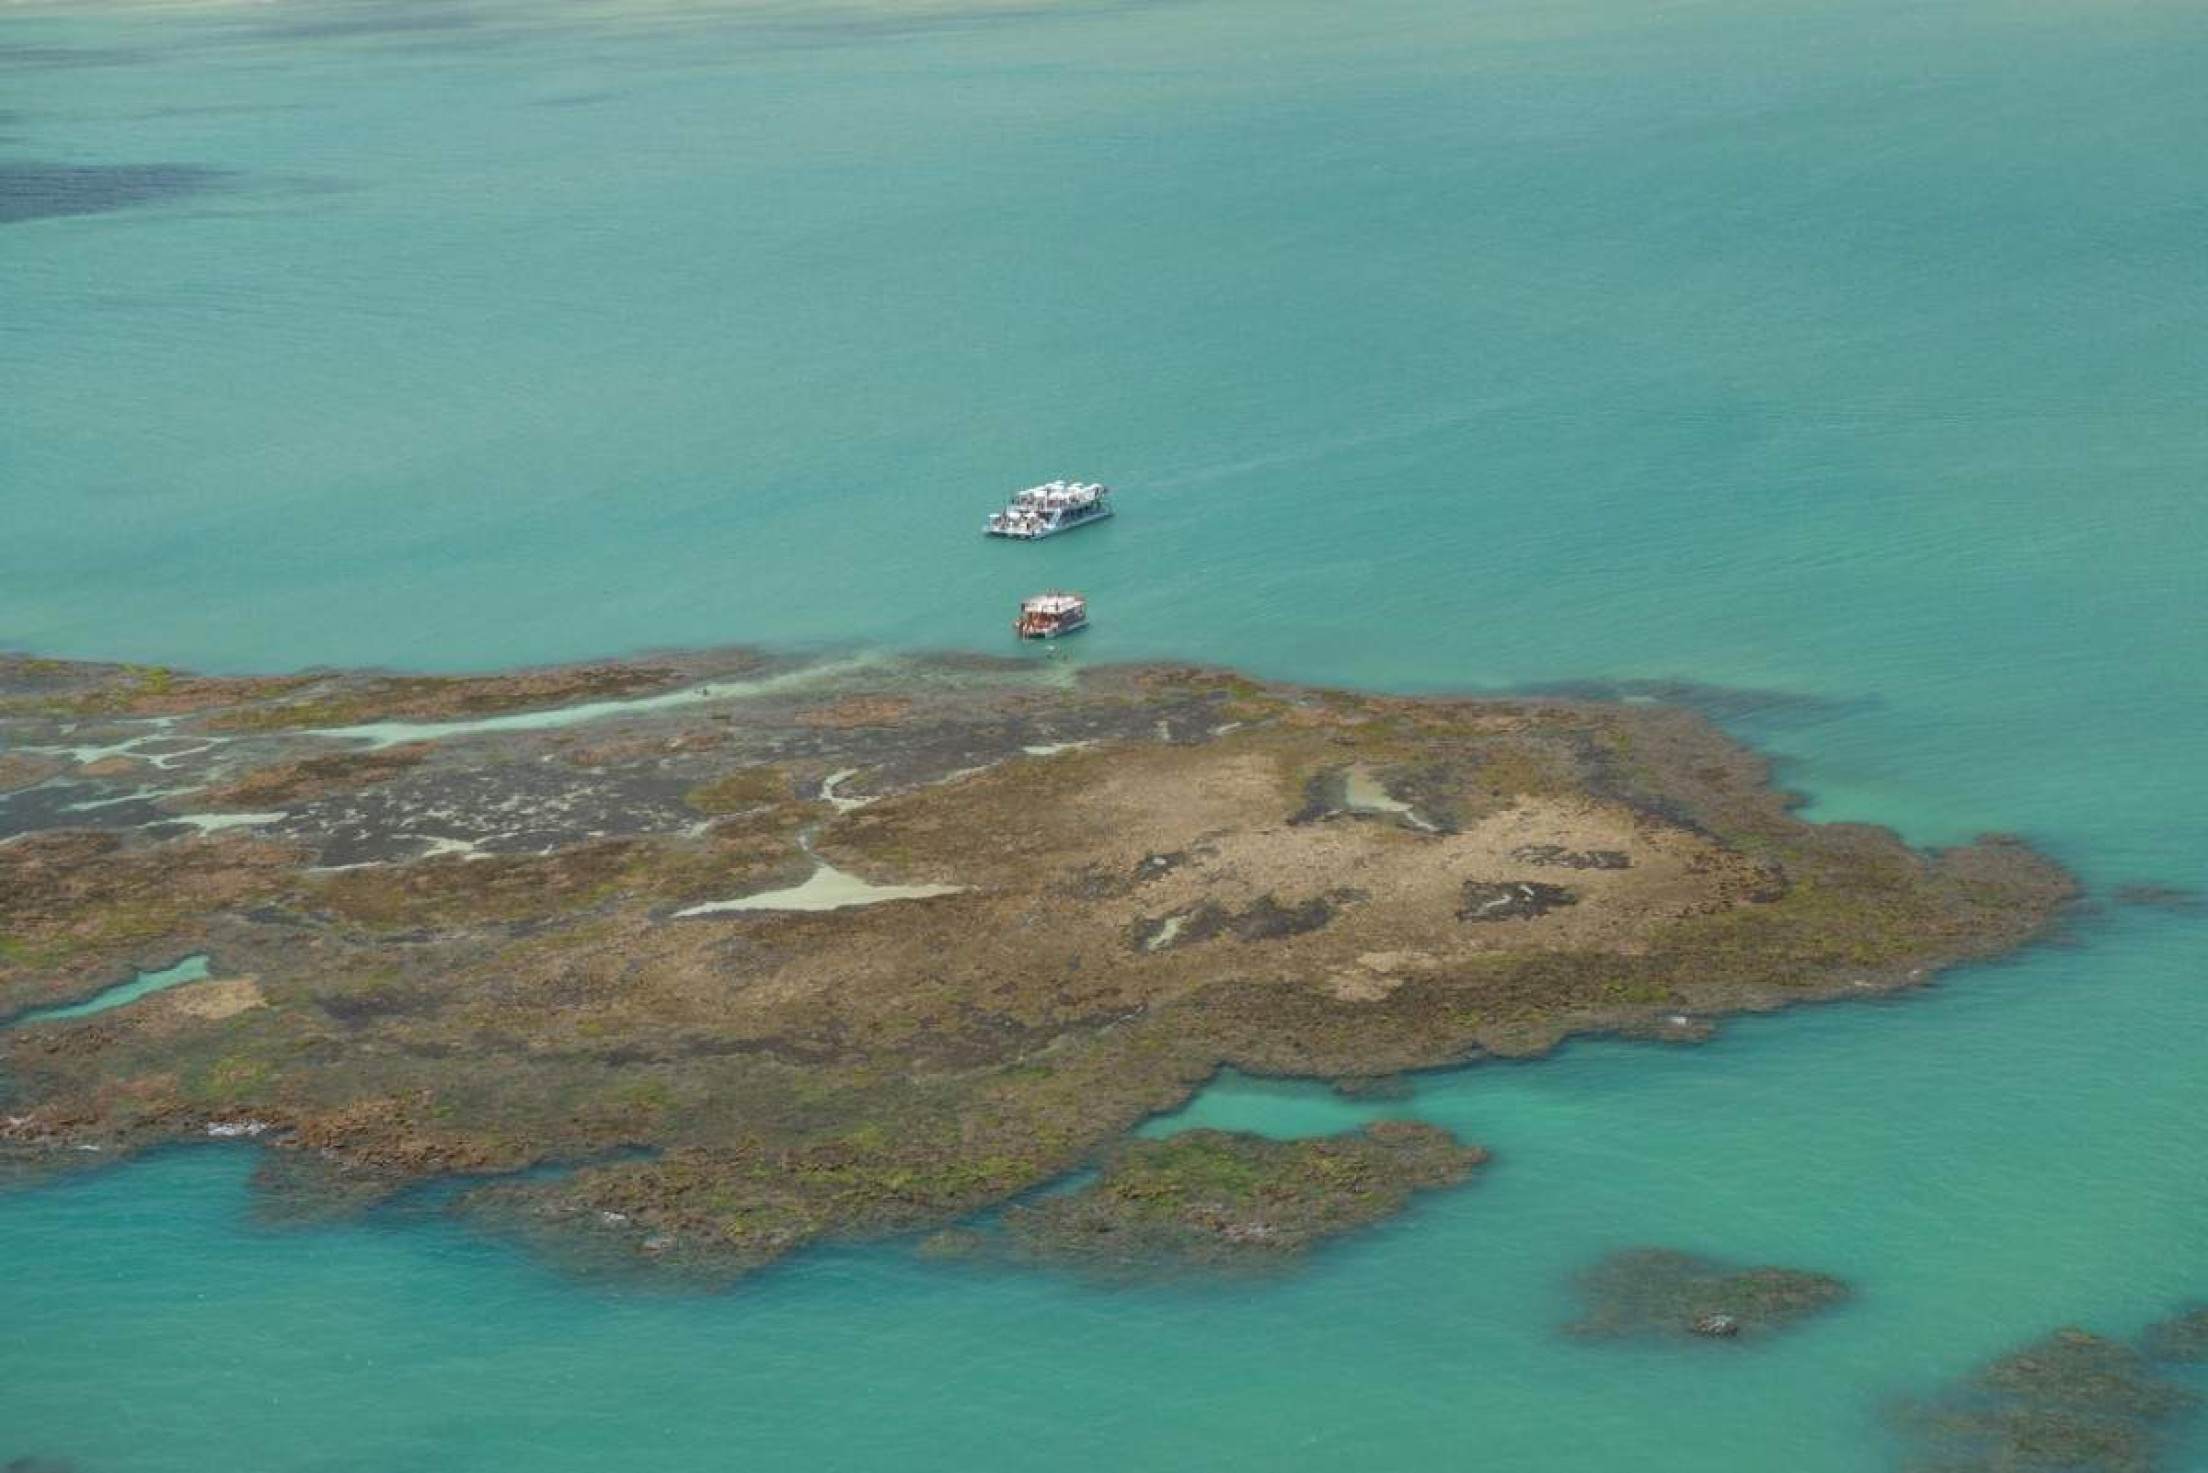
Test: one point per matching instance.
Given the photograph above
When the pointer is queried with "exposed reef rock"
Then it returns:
(309, 777)
(1263, 919)
(2071, 1403)
(1661, 1291)
(1212, 1199)
(459, 945)
(1374, 1087)
(19, 771)
(1511, 900)
(1563, 858)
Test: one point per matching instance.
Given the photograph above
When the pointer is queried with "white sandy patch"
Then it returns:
(1362, 791)
(829, 795)
(827, 888)
(1052, 749)
(380, 734)
(147, 794)
(158, 729)
(209, 823)
(160, 761)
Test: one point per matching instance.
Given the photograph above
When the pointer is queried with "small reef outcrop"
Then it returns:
(1657, 1292)
(1211, 1200)
(2072, 1402)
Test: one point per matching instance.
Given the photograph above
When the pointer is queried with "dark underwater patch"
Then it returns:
(381, 19)
(1726, 705)
(2161, 897)
(2073, 1402)
(1642, 1292)
(24, 58)
(45, 191)
(575, 99)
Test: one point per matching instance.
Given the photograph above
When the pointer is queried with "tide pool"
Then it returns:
(1838, 360)
(190, 969)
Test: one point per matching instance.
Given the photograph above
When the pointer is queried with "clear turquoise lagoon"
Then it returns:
(1844, 360)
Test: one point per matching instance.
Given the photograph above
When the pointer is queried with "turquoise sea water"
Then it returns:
(1848, 355)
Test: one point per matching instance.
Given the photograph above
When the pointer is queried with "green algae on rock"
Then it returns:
(1213, 1199)
(511, 945)
(1661, 1291)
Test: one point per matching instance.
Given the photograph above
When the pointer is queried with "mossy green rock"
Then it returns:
(1216, 1199)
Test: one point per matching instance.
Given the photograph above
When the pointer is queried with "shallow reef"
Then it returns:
(2073, 1402)
(500, 954)
(1639, 1292)
(2181, 1339)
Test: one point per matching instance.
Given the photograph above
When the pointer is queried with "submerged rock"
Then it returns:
(1661, 1291)
(2160, 897)
(2182, 1338)
(1374, 1087)
(2074, 1402)
(1213, 1199)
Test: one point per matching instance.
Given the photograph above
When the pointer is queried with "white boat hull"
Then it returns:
(1017, 534)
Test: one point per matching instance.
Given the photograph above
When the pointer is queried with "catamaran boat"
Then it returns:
(1047, 510)
(1048, 615)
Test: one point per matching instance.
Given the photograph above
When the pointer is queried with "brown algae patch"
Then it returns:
(218, 998)
(826, 888)
(1077, 943)
(308, 777)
